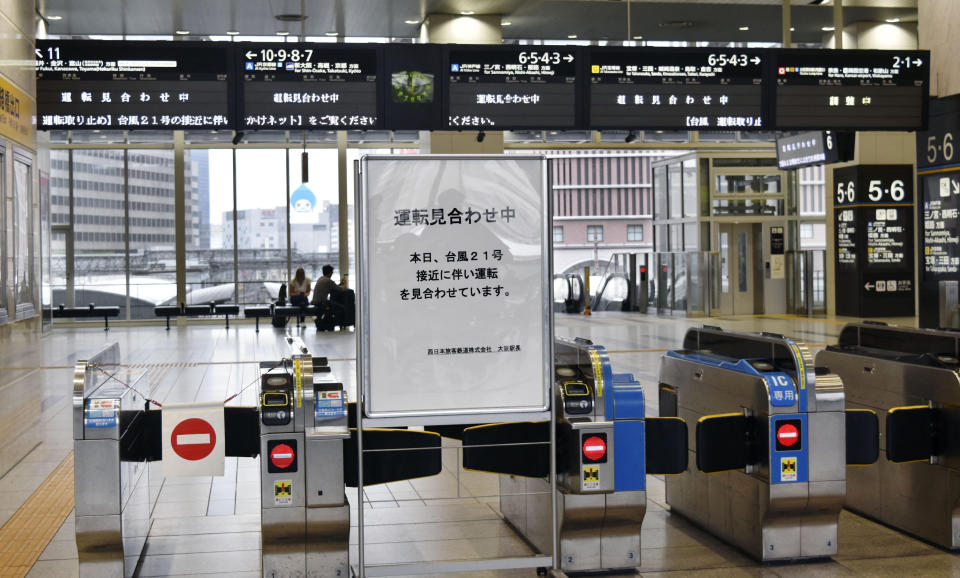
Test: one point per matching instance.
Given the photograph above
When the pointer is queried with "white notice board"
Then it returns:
(455, 285)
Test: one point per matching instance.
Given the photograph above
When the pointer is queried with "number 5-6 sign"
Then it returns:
(880, 184)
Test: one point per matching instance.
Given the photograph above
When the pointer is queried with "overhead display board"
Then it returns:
(307, 86)
(512, 87)
(676, 89)
(851, 89)
(456, 317)
(938, 214)
(873, 231)
(815, 147)
(93, 84)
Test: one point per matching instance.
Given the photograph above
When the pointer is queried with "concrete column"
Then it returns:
(457, 29)
(787, 24)
(937, 26)
(180, 213)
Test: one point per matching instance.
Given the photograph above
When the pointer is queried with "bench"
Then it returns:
(284, 311)
(214, 309)
(86, 312)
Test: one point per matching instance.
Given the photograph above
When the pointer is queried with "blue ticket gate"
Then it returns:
(771, 445)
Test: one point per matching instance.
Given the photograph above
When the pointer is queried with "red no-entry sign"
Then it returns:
(282, 456)
(788, 435)
(193, 439)
(594, 448)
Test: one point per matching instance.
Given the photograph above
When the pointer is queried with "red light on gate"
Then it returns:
(643, 270)
(788, 435)
(594, 448)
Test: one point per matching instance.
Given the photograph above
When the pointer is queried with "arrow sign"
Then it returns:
(756, 60)
(918, 62)
(868, 286)
(38, 53)
(250, 54)
(568, 58)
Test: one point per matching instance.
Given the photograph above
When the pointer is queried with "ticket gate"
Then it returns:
(605, 447)
(112, 497)
(910, 376)
(771, 460)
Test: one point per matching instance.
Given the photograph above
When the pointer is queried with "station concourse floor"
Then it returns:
(209, 526)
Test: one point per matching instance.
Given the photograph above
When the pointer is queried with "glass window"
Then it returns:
(676, 237)
(749, 184)
(634, 232)
(806, 230)
(660, 192)
(3, 243)
(594, 233)
(23, 250)
(660, 231)
(769, 207)
(690, 237)
(675, 183)
(558, 234)
(690, 188)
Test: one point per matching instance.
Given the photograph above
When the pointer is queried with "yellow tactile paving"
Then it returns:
(34, 525)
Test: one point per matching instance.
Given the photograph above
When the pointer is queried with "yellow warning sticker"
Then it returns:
(283, 492)
(788, 469)
(591, 477)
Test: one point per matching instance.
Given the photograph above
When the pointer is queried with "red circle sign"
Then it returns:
(282, 456)
(594, 448)
(787, 435)
(193, 439)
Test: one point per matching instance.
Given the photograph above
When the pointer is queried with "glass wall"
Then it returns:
(4, 285)
(24, 281)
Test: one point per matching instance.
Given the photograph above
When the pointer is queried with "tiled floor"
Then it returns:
(211, 525)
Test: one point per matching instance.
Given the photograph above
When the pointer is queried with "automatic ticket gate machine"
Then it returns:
(305, 517)
(912, 377)
(605, 448)
(769, 442)
(111, 474)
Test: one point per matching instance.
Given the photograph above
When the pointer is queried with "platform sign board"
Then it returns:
(455, 286)
(306, 86)
(873, 232)
(676, 89)
(133, 85)
(193, 439)
(851, 89)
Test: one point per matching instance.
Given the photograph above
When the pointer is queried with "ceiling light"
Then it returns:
(233, 32)
(828, 29)
(55, 18)
(792, 29)
(411, 21)
(638, 37)
(571, 35)
(506, 23)
(331, 33)
(467, 13)
(744, 28)
(282, 33)
(892, 20)
(183, 32)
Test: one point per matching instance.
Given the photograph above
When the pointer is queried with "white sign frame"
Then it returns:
(432, 401)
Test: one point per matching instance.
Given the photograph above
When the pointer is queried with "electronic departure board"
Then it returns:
(512, 87)
(679, 89)
(851, 89)
(308, 86)
(817, 147)
(91, 84)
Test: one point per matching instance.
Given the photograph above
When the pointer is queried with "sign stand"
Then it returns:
(454, 255)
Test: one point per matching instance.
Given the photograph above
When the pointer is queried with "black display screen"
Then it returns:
(306, 86)
(678, 89)
(92, 84)
(506, 88)
(851, 89)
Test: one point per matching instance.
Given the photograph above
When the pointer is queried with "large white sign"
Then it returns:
(455, 285)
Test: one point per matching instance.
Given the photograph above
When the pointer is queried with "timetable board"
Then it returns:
(306, 86)
(676, 89)
(512, 87)
(92, 85)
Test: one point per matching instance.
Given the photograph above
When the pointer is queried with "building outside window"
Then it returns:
(558, 234)
(634, 232)
(594, 233)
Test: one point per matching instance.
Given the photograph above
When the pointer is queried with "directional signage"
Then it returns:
(308, 86)
(816, 147)
(192, 437)
(689, 89)
(511, 87)
(88, 85)
(873, 226)
(851, 89)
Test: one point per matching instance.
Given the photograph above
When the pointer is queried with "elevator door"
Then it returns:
(737, 268)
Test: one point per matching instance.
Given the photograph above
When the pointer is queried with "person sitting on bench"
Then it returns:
(331, 312)
(299, 289)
